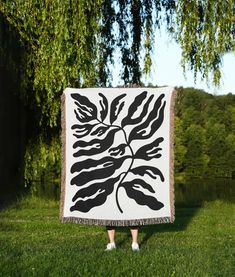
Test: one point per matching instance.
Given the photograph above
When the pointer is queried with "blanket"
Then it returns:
(117, 156)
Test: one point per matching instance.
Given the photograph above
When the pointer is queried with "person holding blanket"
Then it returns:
(111, 234)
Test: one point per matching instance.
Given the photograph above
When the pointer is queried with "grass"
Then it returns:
(34, 243)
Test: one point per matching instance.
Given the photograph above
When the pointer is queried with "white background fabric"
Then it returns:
(131, 210)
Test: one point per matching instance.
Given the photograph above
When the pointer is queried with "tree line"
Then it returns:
(204, 134)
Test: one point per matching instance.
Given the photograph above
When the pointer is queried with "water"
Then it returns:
(195, 191)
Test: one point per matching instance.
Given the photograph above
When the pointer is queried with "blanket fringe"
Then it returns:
(172, 197)
(116, 223)
(63, 155)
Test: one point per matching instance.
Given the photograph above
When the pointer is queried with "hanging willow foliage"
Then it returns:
(205, 30)
(73, 43)
(59, 40)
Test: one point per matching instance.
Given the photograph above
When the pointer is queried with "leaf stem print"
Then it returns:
(101, 139)
(130, 166)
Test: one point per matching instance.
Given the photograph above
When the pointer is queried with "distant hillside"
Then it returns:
(204, 133)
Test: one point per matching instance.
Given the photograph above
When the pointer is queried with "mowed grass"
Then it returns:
(33, 242)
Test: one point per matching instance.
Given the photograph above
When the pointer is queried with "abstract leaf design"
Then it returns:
(100, 169)
(104, 107)
(149, 170)
(104, 189)
(96, 145)
(116, 107)
(100, 131)
(82, 130)
(128, 120)
(139, 183)
(86, 111)
(154, 119)
(141, 198)
(119, 150)
(94, 176)
(150, 151)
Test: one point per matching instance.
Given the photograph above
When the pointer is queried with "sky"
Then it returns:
(166, 69)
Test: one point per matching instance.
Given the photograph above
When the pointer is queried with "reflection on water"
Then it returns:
(195, 191)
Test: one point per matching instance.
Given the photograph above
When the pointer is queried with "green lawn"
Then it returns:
(34, 243)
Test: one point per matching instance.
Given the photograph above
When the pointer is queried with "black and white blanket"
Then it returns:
(117, 152)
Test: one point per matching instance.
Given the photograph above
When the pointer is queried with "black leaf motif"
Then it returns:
(86, 111)
(96, 145)
(128, 120)
(85, 205)
(114, 112)
(150, 151)
(120, 149)
(149, 170)
(103, 169)
(139, 183)
(103, 189)
(155, 118)
(100, 131)
(92, 189)
(97, 175)
(82, 130)
(104, 106)
(141, 198)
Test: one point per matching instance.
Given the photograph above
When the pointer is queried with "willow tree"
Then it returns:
(72, 43)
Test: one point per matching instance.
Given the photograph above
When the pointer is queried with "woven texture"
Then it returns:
(117, 156)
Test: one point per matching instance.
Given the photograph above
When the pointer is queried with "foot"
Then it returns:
(135, 246)
(110, 246)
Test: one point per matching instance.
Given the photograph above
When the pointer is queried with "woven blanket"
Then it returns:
(117, 156)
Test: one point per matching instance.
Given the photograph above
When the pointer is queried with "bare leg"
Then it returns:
(134, 234)
(111, 235)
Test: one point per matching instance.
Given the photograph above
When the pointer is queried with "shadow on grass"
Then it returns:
(183, 216)
(10, 195)
(190, 197)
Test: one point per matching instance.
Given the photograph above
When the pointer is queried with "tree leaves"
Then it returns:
(116, 107)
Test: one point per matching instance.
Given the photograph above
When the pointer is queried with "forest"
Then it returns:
(204, 134)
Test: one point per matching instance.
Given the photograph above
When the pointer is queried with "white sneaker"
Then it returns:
(135, 246)
(110, 246)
